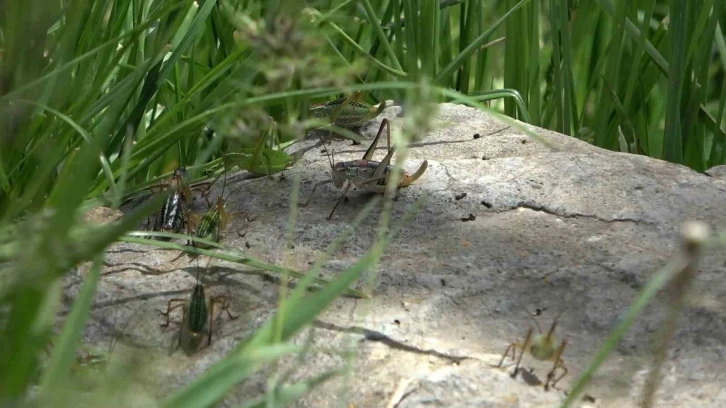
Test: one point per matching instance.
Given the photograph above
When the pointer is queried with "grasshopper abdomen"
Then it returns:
(171, 216)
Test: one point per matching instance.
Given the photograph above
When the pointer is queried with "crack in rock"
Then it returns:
(373, 335)
(544, 209)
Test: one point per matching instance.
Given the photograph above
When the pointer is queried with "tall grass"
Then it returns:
(99, 100)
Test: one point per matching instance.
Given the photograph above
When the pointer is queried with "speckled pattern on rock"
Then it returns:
(568, 227)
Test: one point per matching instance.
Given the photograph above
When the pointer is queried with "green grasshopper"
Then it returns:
(367, 174)
(195, 314)
(347, 112)
(266, 158)
(541, 347)
(211, 225)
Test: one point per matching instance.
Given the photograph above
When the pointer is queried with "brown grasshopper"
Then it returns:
(541, 347)
(366, 174)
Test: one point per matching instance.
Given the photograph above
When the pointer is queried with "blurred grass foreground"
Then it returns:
(100, 100)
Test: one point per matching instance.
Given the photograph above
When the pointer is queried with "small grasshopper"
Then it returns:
(211, 225)
(195, 314)
(367, 174)
(541, 347)
(171, 217)
(347, 112)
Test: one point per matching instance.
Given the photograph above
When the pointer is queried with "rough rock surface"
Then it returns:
(568, 227)
(718, 172)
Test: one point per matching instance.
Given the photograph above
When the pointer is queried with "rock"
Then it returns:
(473, 384)
(718, 172)
(561, 228)
(102, 215)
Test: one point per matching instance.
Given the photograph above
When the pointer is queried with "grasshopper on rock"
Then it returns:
(171, 217)
(195, 314)
(541, 347)
(366, 174)
(212, 223)
(347, 112)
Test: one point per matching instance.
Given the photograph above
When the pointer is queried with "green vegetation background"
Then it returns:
(99, 100)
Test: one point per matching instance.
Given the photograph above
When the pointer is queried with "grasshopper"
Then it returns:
(174, 214)
(171, 217)
(266, 158)
(541, 347)
(211, 225)
(347, 112)
(195, 314)
(367, 174)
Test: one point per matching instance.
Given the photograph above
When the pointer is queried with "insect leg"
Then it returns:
(512, 347)
(222, 300)
(524, 350)
(341, 199)
(408, 180)
(559, 363)
(170, 308)
(369, 153)
(380, 171)
(205, 194)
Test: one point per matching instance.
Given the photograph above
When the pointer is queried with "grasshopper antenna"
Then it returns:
(332, 163)
(114, 340)
(554, 322)
(527, 312)
(536, 323)
(224, 180)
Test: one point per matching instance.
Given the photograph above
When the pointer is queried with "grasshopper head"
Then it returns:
(177, 178)
(543, 344)
(338, 170)
(179, 173)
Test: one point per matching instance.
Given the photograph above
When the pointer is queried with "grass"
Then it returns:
(100, 100)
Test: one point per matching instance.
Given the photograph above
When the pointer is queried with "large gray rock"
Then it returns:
(565, 227)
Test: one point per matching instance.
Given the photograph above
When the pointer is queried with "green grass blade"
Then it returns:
(64, 351)
(502, 93)
(673, 141)
(381, 35)
(212, 386)
(474, 46)
(223, 253)
(654, 285)
(291, 393)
